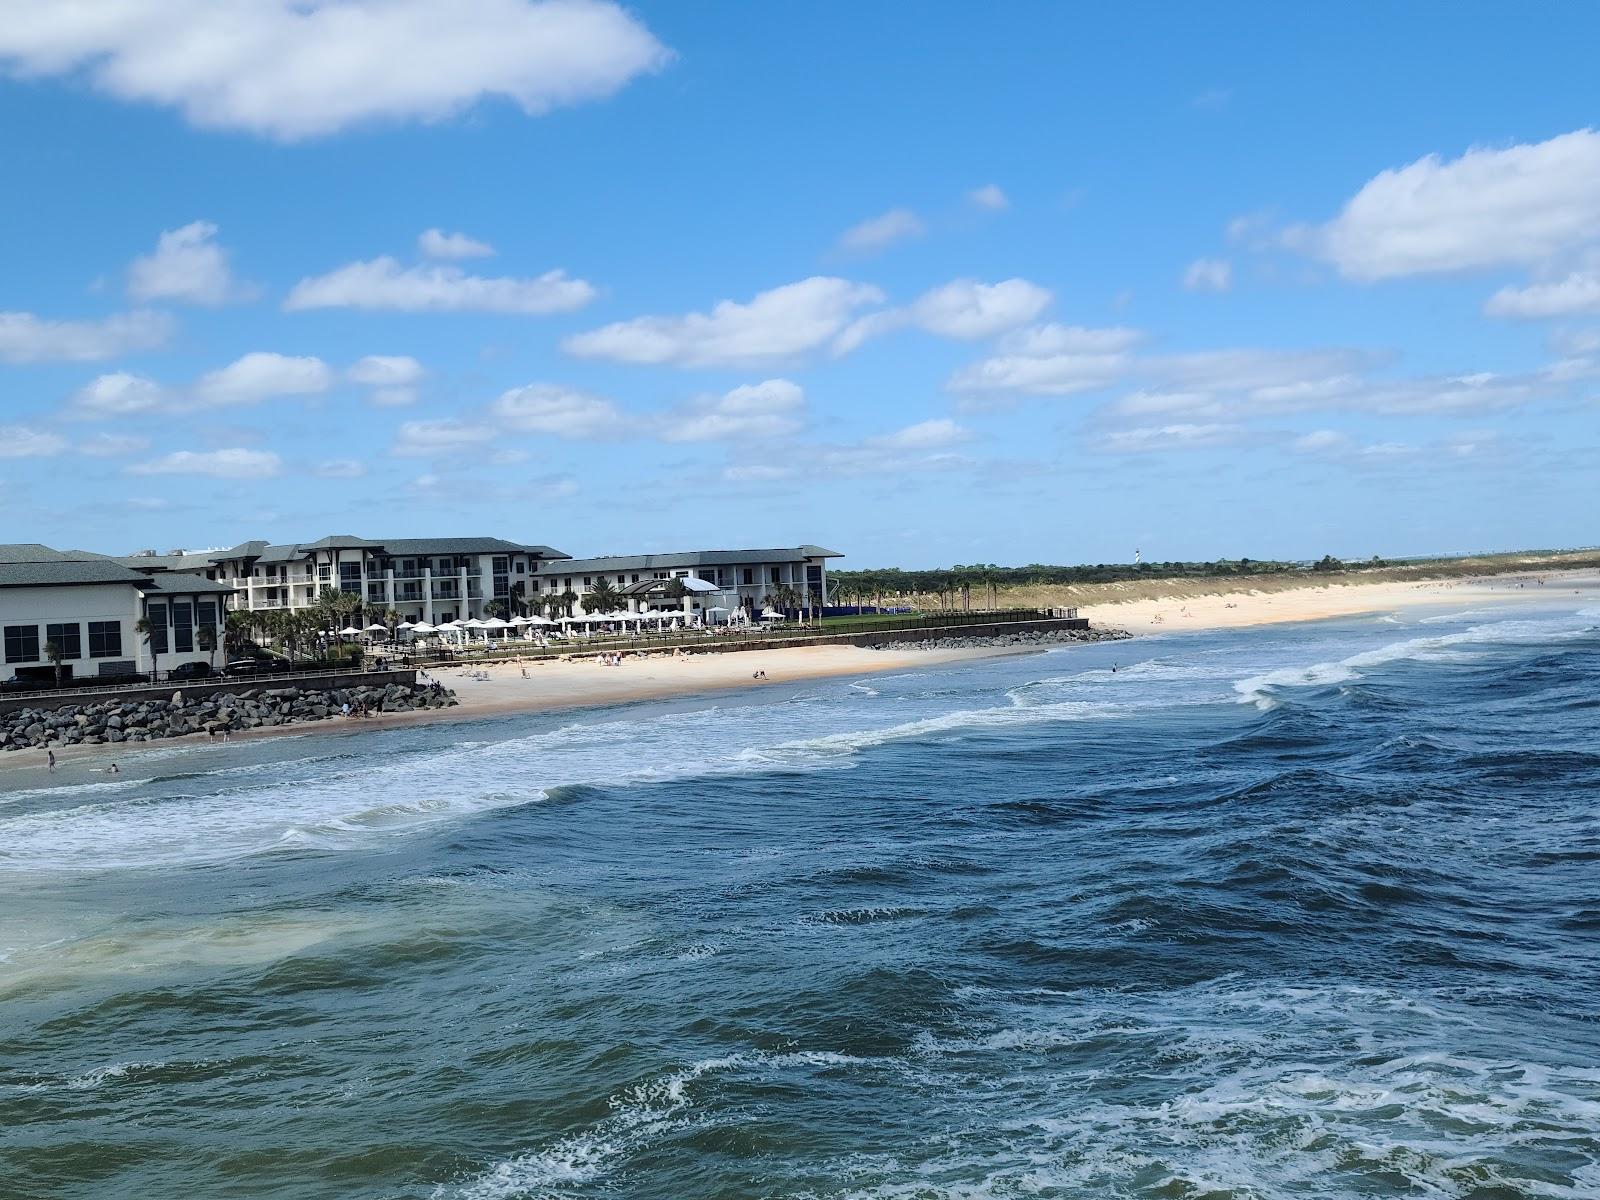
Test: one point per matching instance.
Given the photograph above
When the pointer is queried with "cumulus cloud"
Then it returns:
(261, 376)
(189, 266)
(925, 435)
(435, 243)
(442, 436)
(779, 325)
(881, 232)
(384, 285)
(235, 463)
(1208, 275)
(772, 408)
(989, 197)
(19, 441)
(118, 394)
(549, 408)
(391, 376)
(292, 69)
(1520, 205)
(26, 338)
(1578, 294)
(963, 309)
(1051, 360)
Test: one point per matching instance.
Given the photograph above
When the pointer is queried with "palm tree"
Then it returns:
(54, 652)
(206, 638)
(602, 597)
(391, 618)
(519, 603)
(241, 622)
(784, 597)
(568, 599)
(147, 630)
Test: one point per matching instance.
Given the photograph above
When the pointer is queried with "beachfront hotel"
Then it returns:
(423, 579)
(447, 579)
(88, 607)
(716, 583)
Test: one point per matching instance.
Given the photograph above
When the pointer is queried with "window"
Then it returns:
(622, 579)
(586, 581)
(774, 574)
(105, 639)
(22, 643)
(205, 614)
(157, 615)
(68, 637)
(749, 576)
(636, 578)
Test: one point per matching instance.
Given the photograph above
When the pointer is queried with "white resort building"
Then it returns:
(423, 579)
(88, 607)
(717, 583)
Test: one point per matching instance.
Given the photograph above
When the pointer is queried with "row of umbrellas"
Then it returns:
(423, 627)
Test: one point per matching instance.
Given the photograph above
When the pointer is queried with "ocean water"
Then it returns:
(1306, 911)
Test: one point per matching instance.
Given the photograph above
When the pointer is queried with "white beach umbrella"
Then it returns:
(495, 623)
(470, 623)
(376, 628)
(424, 627)
(769, 615)
(540, 621)
(406, 625)
(350, 631)
(519, 622)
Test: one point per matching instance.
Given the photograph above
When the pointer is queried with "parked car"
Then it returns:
(191, 670)
(255, 666)
(27, 685)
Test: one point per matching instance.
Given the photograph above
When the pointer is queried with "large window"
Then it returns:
(22, 643)
(350, 577)
(205, 614)
(157, 616)
(105, 639)
(68, 637)
(182, 627)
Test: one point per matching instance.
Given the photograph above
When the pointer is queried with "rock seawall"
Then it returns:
(108, 722)
(1025, 638)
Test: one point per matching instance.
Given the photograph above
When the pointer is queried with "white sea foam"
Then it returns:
(1466, 646)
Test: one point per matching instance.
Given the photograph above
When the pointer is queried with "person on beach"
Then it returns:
(345, 710)
(50, 761)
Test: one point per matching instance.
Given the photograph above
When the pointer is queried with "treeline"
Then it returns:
(891, 581)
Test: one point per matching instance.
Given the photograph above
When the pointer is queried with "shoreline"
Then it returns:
(584, 683)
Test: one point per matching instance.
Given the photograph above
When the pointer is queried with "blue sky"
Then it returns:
(1044, 286)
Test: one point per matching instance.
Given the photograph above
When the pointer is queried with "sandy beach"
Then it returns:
(1233, 610)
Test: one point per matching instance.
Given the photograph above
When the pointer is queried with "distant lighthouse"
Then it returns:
(1136, 559)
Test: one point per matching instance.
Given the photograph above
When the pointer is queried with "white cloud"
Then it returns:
(442, 436)
(386, 370)
(968, 310)
(1322, 441)
(549, 408)
(292, 69)
(1208, 275)
(779, 325)
(925, 435)
(262, 375)
(1576, 295)
(1523, 205)
(188, 265)
(881, 232)
(772, 408)
(111, 445)
(26, 338)
(119, 394)
(383, 284)
(221, 464)
(756, 473)
(988, 196)
(18, 441)
(963, 309)
(341, 468)
(1051, 360)
(436, 243)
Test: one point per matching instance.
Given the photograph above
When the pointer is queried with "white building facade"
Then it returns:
(725, 580)
(89, 607)
(423, 579)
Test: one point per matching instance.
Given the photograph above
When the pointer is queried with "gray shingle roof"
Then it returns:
(688, 558)
(182, 584)
(65, 571)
